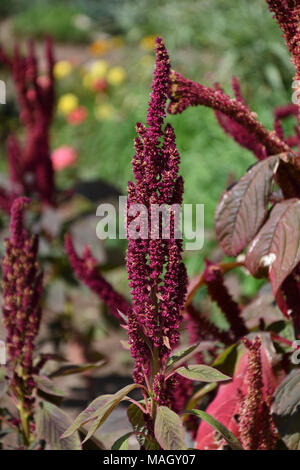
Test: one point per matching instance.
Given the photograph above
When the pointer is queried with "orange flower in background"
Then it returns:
(99, 47)
(63, 157)
(147, 43)
(77, 116)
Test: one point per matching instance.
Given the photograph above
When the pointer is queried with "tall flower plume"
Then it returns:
(30, 166)
(156, 273)
(22, 289)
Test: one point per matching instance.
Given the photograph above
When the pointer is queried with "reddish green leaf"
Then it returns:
(47, 386)
(243, 208)
(202, 373)
(168, 429)
(70, 369)
(87, 414)
(51, 423)
(98, 411)
(276, 248)
(136, 418)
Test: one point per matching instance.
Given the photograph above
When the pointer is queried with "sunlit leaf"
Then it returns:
(202, 373)
(276, 247)
(168, 429)
(243, 208)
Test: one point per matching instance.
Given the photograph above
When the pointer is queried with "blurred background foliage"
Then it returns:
(109, 48)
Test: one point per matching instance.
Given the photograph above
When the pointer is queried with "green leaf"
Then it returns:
(243, 208)
(87, 414)
(136, 418)
(51, 422)
(47, 386)
(286, 410)
(76, 369)
(168, 429)
(98, 411)
(231, 440)
(179, 355)
(122, 442)
(202, 373)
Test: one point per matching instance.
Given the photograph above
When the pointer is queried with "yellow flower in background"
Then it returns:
(99, 47)
(62, 69)
(116, 75)
(147, 43)
(87, 80)
(67, 103)
(98, 69)
(104, 112)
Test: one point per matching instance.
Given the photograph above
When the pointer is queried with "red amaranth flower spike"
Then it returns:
(156, 273)
(219, 293)
(287, 14)
(87, 270)
(256, 429)
(30, 165)
(22, 289)
(184, 93)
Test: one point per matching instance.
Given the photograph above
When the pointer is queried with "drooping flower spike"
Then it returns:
(87, 270)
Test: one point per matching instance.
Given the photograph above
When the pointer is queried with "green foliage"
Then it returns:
(231, 440)
(202, 373)
(56, 19)
(168, 429)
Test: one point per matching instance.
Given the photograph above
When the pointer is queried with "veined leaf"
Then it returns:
(168, 429)
(179, 355)
(276, 248)
(47, 386)
(70, 369)
(286, 410)
(101, 410)
(202, 373)
(243, 208)
(231, 440)
(86, 415)
(136, 418)
(51, 423)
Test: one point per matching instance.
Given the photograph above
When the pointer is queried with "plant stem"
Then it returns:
(24, 416)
